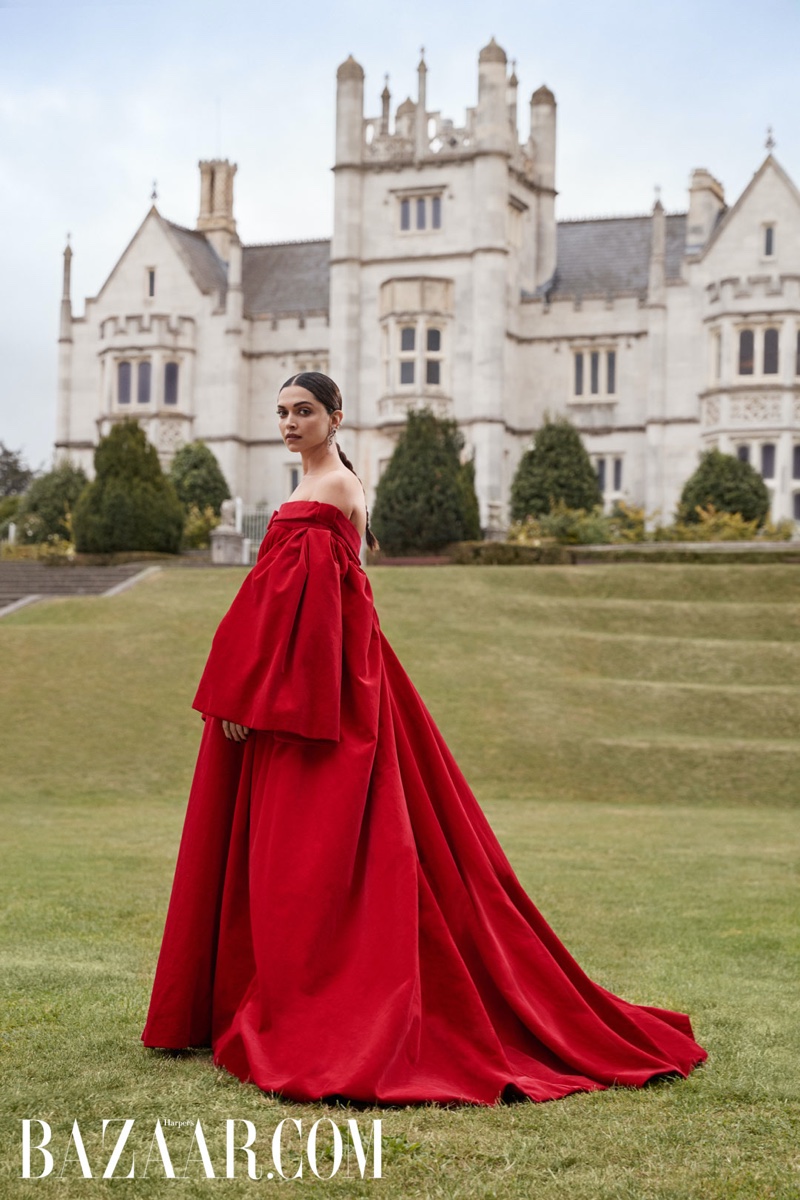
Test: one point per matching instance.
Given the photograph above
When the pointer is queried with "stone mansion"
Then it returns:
(449, 283)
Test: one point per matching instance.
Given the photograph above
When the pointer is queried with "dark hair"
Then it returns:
(326, 391)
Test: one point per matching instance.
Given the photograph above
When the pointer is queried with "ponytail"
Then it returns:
(372, 541)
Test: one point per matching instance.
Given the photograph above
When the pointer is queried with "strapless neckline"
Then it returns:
(329, 514)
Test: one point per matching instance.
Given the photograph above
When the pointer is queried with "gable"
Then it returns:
(737, 246)
(155, 245)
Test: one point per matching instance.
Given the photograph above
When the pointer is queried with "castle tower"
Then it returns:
(345, 264)
(489, 272)
(656, 431)
(65, 359)
(542, 146)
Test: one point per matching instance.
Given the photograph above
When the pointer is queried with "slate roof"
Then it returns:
(286, 277)
(601, 256)
(209, 271)
(610, 256)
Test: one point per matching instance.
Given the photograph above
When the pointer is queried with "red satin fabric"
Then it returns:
(343, 920)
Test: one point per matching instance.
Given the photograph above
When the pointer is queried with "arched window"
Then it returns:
(770, 351)
(171, 383)
(124, 383)
(143, 382)
(746, 351)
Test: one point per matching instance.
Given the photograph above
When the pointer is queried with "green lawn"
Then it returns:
(632, 733)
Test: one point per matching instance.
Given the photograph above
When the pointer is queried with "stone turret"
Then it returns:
(405, 118)
(65, 330)
(491, 115)
(542, 138)
(542, 148)
(348, 210)
(65, 348)
(421, 122)
(216, 219)
(386, 103)
(349, 112)
(511, 100)
(706, 202)
(656, 288)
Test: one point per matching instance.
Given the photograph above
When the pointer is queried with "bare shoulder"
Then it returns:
(343, 489)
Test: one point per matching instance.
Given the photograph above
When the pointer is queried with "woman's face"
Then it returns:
(303, 420)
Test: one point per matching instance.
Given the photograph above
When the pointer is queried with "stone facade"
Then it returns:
(448, 282)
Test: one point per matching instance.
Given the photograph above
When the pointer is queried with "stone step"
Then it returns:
(25, 578)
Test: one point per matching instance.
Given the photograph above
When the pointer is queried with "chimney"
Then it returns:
(216, 204)
(706, 202)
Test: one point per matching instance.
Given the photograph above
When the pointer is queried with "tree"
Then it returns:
(198, 478)
(557, 467)
(49, 501)
(14, 474)
(423, 499)
(729, 484)
(469, 499)
(130, 504)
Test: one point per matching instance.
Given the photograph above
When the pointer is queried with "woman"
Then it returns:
(343, 921)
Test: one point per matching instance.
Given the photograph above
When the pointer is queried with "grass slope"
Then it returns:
(631, 732)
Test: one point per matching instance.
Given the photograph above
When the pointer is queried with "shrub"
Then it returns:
(50, 499)
(425, 497)
(198, 478)
(727, 483)
(130, 504)
(711, 525)
(568, 526)
(557, 468)
(198, 525)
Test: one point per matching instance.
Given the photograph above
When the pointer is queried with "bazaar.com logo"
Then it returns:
(121, 1159)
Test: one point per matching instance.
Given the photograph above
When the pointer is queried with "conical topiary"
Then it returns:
(557, 467)
(422, 500)
(130, 504)
(198, 478)
(729, 484)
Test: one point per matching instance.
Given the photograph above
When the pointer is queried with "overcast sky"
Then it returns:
(98, 99)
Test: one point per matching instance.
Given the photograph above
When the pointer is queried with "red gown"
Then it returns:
(343, 921)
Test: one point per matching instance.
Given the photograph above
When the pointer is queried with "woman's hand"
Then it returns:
(234, 732)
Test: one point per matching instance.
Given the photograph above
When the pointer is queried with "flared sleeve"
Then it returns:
(276, 657)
